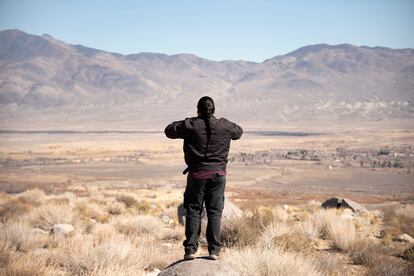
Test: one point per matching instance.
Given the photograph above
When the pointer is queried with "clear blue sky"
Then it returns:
(226, 29)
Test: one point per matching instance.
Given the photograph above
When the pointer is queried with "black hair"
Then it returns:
(205, 109)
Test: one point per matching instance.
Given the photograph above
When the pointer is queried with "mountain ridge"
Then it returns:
(45, 77)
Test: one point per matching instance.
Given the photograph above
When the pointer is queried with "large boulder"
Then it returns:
(338, 202)
(199, 267)
(230, 211)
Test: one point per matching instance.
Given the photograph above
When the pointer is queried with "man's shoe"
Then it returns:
(189, 256)
(213, 257)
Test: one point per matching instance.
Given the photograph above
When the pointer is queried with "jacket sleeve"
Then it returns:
(236, 132)
(176, 130)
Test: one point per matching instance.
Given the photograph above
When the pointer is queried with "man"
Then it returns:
(206, 147)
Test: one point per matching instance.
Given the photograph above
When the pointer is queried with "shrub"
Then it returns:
(294, 242)
(408, 254)
(12, 208)
(143, 207)
(91, 211)
(138, 225)
(26, 265)
(102, 232)
(5, 253)
(20, 236)
(33, 197)
(389, 233)
(115, 208)
(129, 201)
(400, 218)
(329, 264)
(390, 266)
(365, 252)
(45, 216)
(241, 231)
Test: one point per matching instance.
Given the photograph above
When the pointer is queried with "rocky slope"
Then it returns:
(46, 83)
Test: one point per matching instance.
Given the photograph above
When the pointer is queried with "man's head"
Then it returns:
(205, 107)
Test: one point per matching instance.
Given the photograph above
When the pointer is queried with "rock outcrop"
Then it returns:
(405, 238)
(62, 229)
(199, 267)
(338, 202)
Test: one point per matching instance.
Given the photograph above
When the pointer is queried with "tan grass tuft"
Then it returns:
(85, 255)
(268, 260)
(400, 218)
(115, 208)
(20, 236)
(341, 232)
(12, 208)
(93, 211)
(27, 265)
(45, 216)
(33, 197)
(129, 201)
(390, 266)
(294, 242)
(138, 225)
(329, 264)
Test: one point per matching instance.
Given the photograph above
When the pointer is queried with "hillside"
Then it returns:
(48, 84)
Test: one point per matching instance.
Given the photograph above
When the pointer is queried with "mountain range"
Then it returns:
(49, 84)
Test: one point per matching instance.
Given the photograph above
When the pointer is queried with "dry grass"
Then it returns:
(21, 237)
(91, 211)
(33, 197)
(129, 201)
(115, 208)
(329, 264)
(308, 228)
(400, 218)
(121, 235)
(321, 220)
(13, 208)
(342, 233)
(26, 265)
(5, 252)
(294, 242)
(274, 230)
(390, 266)
(366, 252)
(408, 254)
(138, 225)
(45, 216)
(85, 255)
(269, 260)
(241, 231)
(262, 223)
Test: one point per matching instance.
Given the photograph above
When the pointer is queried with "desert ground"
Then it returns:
(120, 191)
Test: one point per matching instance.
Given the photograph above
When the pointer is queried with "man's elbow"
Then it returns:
(237, 134)
(169, 133)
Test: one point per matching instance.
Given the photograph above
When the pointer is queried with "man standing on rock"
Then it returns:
(206, 147)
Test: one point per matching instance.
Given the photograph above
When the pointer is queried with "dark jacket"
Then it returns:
(201, 153)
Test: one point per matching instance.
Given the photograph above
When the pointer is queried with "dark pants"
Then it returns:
(212, 192)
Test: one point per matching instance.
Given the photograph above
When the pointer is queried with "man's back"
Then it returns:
(206, 141)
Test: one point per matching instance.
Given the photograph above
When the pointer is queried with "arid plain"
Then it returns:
(282, 167)
(120, 192)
